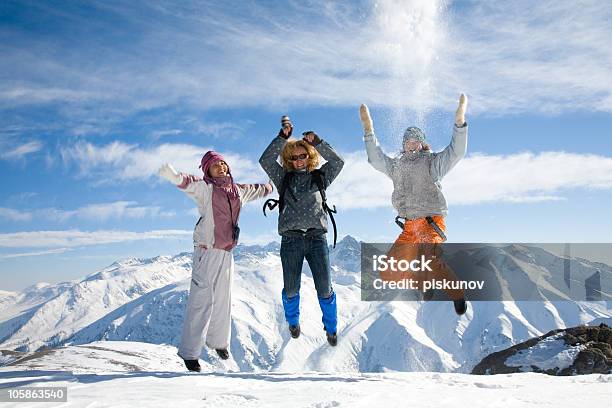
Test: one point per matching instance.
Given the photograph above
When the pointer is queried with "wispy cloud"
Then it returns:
(15, 215)
(219, 129)
(121, 161)
(260, 239)
(417, 54)
(547, 56)
(479, 178)
(526, 177)
(99, 212)
(206, 128)
(158, 134)
(77, 238)
(19, 151)
(34, 253)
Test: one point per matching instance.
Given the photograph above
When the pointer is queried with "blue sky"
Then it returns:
(95, 96)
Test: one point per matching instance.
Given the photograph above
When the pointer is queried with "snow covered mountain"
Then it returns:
(144, 300)
(45, 315)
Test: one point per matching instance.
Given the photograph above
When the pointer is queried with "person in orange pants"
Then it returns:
(417, 196)
(419, 238)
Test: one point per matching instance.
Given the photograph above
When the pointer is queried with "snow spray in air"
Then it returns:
(410, 39)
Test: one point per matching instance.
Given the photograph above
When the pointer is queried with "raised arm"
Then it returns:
(444, 161)
(334, 164)
(269, 158)
(191, 185)
(251, 192)
(379, 160)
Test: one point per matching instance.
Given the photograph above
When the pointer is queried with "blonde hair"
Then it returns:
(291, 147)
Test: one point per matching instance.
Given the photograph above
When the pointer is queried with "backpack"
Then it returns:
(317, 178)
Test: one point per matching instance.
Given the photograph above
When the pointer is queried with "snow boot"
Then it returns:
(332, 339)
(193, 365)
(330, 314)
(223, 353)
(295, 331)
(428, 294)
(460, 306)
(291, 306)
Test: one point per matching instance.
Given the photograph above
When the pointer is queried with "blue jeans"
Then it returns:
(314, 249)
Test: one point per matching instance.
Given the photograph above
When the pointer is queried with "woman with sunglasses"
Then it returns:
(302, 220)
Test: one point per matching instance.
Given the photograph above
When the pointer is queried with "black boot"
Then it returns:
(193, 365)
(428, 294)
(295, 331)
(332, 339)
(460, 306)
(223, 353)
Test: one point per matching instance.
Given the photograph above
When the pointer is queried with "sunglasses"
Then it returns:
(302, 156)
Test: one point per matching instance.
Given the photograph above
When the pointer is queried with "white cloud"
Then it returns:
(525, 177)
(518, 56)
(260, 239)
(480, 178)
(15, 215)
(120, 161)
(76, 238)
(98, 212)
(35, 253)
(18, 152)
(219, 129)
(121, 209)
(360, 186)
(164, 133)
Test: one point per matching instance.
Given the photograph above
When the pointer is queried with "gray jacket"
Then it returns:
(306, 211)
(416, 177)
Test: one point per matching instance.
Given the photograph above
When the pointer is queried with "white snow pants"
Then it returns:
(208, 314)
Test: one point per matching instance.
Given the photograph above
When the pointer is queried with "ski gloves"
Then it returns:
(311, 137)
(366, 119)
(460, 114)
(167, 171)
(286, 129)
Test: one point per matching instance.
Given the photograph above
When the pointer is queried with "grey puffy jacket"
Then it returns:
(416, 177)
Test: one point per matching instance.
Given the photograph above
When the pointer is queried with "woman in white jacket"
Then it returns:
(219, 200)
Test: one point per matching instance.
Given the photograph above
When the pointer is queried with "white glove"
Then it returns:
(167, 171)
(460, 114)
(366, 120)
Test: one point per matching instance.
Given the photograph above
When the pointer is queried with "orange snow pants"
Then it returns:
(419, 238)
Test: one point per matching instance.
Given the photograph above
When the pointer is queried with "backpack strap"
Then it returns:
(436, 227)
(271, 203)
(318, 179)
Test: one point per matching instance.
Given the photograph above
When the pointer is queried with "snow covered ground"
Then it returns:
(171, 389)
(131, 374)
(112, 374)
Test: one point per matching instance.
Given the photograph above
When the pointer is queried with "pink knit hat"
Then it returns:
(208, 160)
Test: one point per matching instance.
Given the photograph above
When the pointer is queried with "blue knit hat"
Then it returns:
(414, 133)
